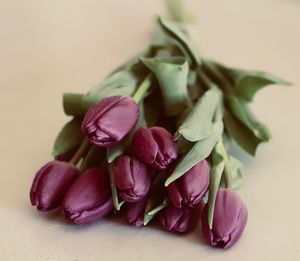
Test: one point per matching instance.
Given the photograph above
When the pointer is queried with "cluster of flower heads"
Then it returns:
(86, 197)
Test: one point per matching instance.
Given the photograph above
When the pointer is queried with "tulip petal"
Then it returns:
(109, 121)
(134, 212)
(145, 147)
(132, 178)
(190, 188)
(227, 210)
(89, 198)
(230, 218)
(180, 220)
(50, 184)
(240, 226)
(167, 150)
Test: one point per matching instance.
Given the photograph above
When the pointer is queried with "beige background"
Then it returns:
(49, 47)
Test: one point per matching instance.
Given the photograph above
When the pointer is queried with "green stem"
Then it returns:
(81, 151)
(227, 172)
(114, 191)
(219, 115)
(143, 88)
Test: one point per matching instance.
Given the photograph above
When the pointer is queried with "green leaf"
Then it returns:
(199, 122)
(241, 133)
(236, 173)
(218, 164)
(114, 192)
(235, 167)
(171, 74)
(157, 199)
(241, 111)
(200, 151)
(72, 104)
(152, 209)
(123, 82)
(70, 137)
(247, 83)
(174, 31)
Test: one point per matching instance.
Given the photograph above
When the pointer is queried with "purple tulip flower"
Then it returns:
(132, 178)
(230, 218)
(110, 120)
(50, 184)
(134, 212)
(89, 198)
(190, 188)
(180, 220)
(155, 146)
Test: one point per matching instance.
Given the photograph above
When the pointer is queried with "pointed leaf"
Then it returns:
(241, 111)
(72, 104)
(151, 212)
(200, 151)
(199, 122)
(123, 82)
(173, 30)
(236, 173)
(235, 167)
(171, 74)
(218, 164)
(70, 137)
(241, 133)
(248, 83)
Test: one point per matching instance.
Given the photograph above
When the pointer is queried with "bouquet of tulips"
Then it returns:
(153, 140)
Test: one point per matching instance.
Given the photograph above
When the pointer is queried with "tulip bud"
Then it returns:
(230, 218)
(155, 146)
(180, 220)
(134, 212)
(132, 178)
(50, 184)
(110, 120)
(190, 188)
(89, 198)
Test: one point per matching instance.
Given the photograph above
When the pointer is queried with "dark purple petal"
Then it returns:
(155, 146)
(134, 212)
(50, 184)
(109, 121)
(190, 188)
(180, 220)
(132, 178)
(89, 198)
(230, 218)
(167, 149)
(144, 146)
